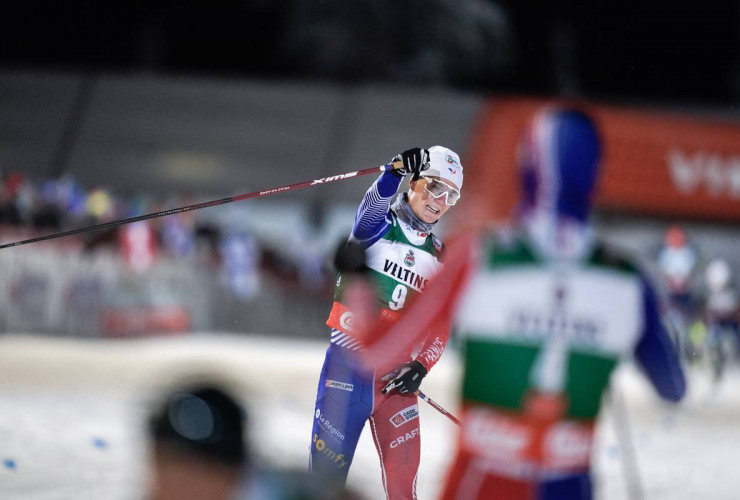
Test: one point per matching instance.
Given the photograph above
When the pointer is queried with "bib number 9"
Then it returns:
(398, 298)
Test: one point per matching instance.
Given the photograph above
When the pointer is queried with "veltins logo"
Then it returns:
(405, 415)
(335, 384)
(409, 260)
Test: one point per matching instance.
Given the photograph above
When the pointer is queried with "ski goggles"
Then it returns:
(437, 189)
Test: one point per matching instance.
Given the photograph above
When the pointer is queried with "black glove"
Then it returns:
(415, 160)
(406, 378)
(350, 258)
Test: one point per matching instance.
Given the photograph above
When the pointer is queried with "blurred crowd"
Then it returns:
(159, 254)
(702, 300)
(700, 290)
(40, 207)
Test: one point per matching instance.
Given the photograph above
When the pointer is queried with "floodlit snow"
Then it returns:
(72, 417)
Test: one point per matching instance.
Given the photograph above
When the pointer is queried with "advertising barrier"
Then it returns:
(656, 163)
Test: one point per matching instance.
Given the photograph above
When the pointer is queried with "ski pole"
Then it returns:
(198, 206)
(627, 450)
(437, 407)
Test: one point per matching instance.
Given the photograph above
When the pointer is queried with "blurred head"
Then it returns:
(675, 237)
(717, 275)
(438, 188)
(198, 443)
(558, 159)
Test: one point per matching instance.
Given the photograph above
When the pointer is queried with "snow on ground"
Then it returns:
(71, 425)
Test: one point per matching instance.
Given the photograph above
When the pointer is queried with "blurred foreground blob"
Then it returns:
(199, 446)
(201, 451)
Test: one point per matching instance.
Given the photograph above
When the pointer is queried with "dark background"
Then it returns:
(620, 51)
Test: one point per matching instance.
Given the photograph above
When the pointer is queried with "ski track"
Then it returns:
(73, 413)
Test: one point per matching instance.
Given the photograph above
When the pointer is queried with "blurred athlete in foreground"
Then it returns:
(544, 314)
(402, 255)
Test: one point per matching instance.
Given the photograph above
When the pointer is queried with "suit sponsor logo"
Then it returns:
(404, 416)
(437, 244)
(568, 443)
(345, 321)
(397, 420)
(542, 324)
(415, 281)
(333, 431)
(495, 435)
(556, 322)
(409, 259)
(335, 384)
(405, 438)
(321, 447)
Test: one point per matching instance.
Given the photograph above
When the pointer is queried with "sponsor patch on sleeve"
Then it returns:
(335, 384)
(405, 415)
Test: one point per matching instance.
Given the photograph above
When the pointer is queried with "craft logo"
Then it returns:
(335, 384)
(403, 439)
(409, 259)
(404, 416)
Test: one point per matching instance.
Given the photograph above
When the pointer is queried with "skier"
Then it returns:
(544, 312)
(402, 255)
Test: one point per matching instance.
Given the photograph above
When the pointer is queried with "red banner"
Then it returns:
(655, 163)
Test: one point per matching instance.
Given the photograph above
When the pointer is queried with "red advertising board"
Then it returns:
(655, 162)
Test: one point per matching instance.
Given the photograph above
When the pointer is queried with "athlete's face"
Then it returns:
(426, 207)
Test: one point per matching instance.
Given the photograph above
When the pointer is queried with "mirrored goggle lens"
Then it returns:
(437, 189)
